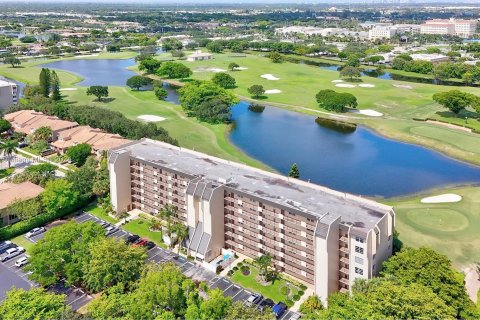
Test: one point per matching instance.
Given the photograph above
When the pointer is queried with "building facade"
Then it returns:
(461, 28)
(8, 94)
(322, 237)
(381, 32)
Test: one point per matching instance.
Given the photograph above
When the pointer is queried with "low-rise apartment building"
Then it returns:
(10, 192)
(382, 32)
(8, 94)
(322, 237)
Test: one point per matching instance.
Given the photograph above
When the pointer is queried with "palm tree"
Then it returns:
(167, 214)
(263, 262)
(182, 233)
(7, 148)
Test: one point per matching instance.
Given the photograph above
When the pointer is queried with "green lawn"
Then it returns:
(23, 242)
(272, 291)
(100, 213)
(141, 227)
(299, 84)
(450, 228)
(6, 172)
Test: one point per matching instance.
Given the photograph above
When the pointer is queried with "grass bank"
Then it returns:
(450, 228)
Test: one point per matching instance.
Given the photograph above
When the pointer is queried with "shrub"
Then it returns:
(240, 264)
(219, 269)
(235, 268)
(191, 258)
(289, 303)
(296, 297)
(245, 268)
(21, 227)
(230, 273)
(303, 287)
(301, 293)
(284, 290)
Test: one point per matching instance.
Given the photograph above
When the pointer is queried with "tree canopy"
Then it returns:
(350, 72)
(149, 65)
(35, 303)
(256, 90)
(335, 101)
(174, 70)
(224, 80)
(456, 100)
(137, 82)
(98, 91)
(79, 153)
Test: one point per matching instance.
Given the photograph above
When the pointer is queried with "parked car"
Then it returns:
(254, 299)
(295, 316)
(5, 245)
(104, 224)
(21, 262)
(149, 245)
(141, 242)
(22, 144)
(12, 253)
(35, 232)
(266, 304)
(110, 230)
(279, 309)
(132, 239)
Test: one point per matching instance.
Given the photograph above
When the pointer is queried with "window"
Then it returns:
(358, 249)
(360, 239)
(359, 260)
(359, 271)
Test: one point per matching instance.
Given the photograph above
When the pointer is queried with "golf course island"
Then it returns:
(389, 110)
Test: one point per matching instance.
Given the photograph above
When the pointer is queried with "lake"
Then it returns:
(358, 161)
(101, 72)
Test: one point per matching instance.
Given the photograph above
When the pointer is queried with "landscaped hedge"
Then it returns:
(24, 226)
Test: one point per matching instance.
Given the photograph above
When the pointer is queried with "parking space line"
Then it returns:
(241, 290)
(83, 295)
(285, 314)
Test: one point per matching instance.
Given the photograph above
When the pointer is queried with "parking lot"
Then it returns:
(77, 298)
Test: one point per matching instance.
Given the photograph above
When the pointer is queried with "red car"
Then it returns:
(142, 242)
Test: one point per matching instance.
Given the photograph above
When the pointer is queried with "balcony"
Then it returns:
(344, 281)
(344, 239)
(345, 260)
(344, 270)
(344, 250)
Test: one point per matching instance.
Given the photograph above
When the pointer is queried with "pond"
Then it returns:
(101, 72)
(357, 161)
(354, 160)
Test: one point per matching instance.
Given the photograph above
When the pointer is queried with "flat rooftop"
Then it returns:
(321, 202)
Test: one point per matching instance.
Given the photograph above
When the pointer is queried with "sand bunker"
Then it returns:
(204, 69)
(269, 76)
(442, 198)
(367, 112)
(68, 89)
(240, 68)
(150, 118)
(273, 91)
(345, 85)
(403, 86)
(366, 85)
(337, 81)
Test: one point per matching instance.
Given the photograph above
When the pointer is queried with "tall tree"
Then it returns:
(294, 172)
(136, 82)
(431, 269)
(79, 153)
(44, 80)
(55, 86)
(456, 100)
(263, 262)
(62, 253)
(58, 196)
(256, 90)
(111, 262)
(7, 149)
(350, 72)
(224, 80)
(98, 91)
(13, 61)
(35, 303)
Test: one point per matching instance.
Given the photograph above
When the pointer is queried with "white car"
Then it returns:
(110, 230)
(12, 253)
(21, 262)
(35, 231)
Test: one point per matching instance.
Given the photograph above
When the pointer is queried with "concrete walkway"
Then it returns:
(42, 159)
